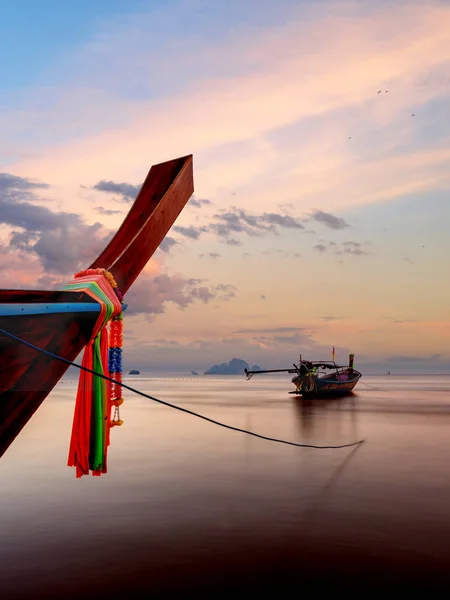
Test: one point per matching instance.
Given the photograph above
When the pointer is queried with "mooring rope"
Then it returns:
(185, 410)
(371, 387)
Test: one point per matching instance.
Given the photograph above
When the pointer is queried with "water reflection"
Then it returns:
(327, 489)
(321, 417)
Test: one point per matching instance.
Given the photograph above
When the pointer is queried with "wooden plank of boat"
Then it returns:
(27, 377)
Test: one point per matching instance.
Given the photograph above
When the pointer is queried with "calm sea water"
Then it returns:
(191, 508)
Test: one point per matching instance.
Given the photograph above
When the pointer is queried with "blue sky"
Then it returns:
(35, 33)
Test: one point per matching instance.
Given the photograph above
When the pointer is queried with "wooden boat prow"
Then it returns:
(165, 191)
(61, 322)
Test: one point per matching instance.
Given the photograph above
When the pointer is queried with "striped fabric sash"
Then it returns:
(91, 421)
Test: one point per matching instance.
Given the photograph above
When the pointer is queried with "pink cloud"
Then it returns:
(18, 270)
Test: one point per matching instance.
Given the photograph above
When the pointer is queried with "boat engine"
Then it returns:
(304, 383)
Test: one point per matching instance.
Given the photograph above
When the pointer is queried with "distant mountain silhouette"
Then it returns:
(236, 366)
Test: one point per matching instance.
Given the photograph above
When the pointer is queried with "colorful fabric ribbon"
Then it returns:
(91, 422)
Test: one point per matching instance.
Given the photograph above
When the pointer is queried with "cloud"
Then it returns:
(190, 232)
(299, 339)
(354, 248)
(270, 330)
(286, 253)
(295, 339)
(202, 293)
(348, 247)
(286, 207)
(62, 241)
(225, 291)
(282, 220)
(107, 211)
(68, 246)
(237, 220)
(126, 190)
(50, 282)
(167, 244)
(10, 184)
(329, 220)
(330, 318)
(199, 202)
(17, 270)
(398, 321)
(149, 295)
(416, 360)
(15, 209)
(356, 252)
(232, 241)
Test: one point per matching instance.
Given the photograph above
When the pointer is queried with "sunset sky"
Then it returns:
(321, 141)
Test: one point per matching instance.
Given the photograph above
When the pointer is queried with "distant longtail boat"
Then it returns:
(319, 378)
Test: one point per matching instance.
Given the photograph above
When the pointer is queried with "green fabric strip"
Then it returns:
(98, 414)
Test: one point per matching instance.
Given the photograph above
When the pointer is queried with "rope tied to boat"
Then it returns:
(371, 387)
(180, 408)
(96, 395)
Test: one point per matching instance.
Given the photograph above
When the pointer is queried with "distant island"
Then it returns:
(134, 372)
(236, 366)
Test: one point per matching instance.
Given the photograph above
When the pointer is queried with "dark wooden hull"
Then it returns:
(27, 376)
(329, 387)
